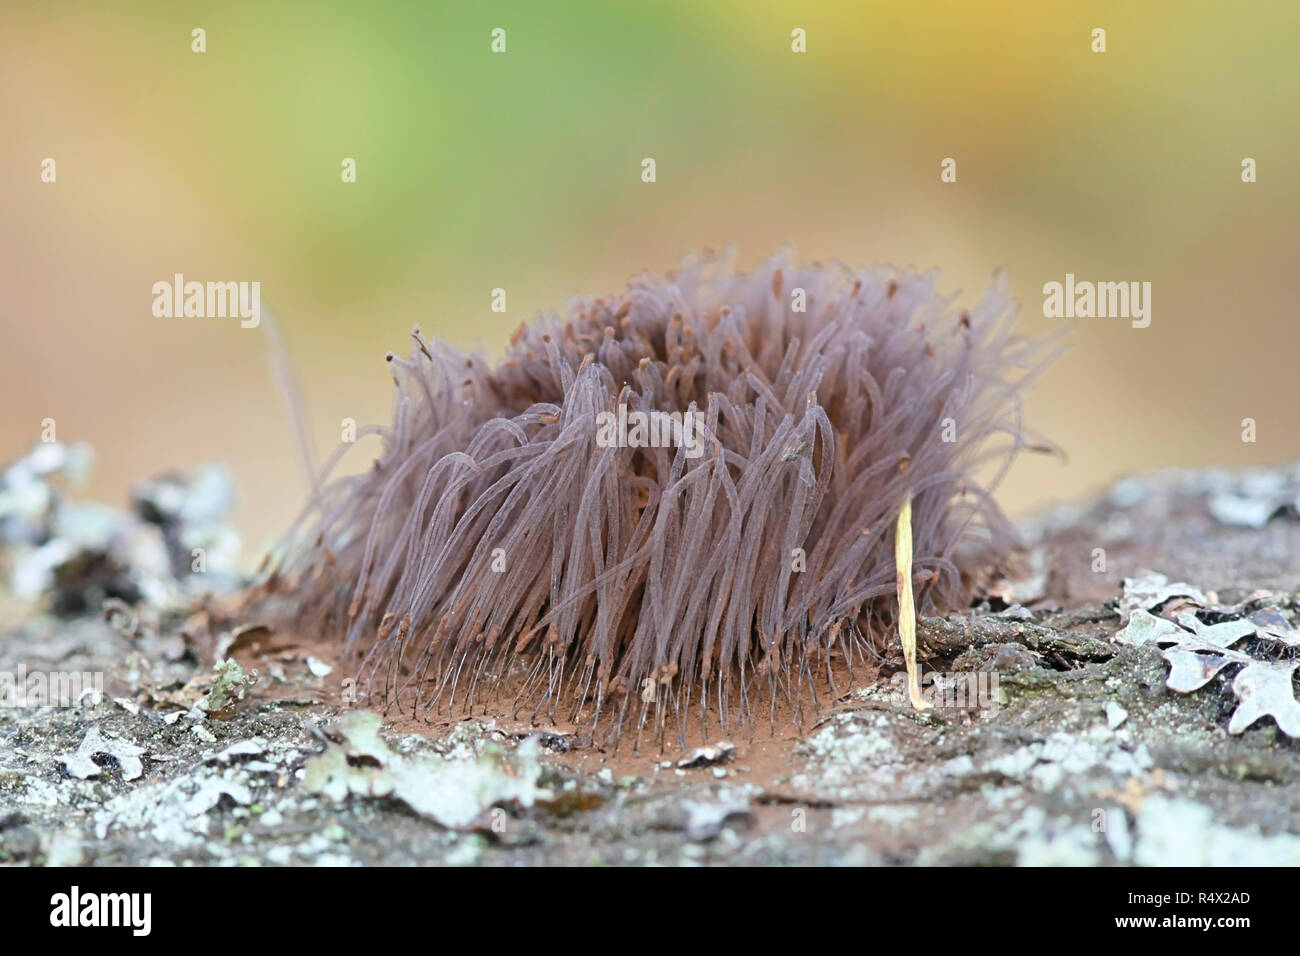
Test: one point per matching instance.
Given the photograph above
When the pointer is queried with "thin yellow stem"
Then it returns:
(906, 605)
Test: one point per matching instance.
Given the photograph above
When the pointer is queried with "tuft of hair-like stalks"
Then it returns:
(498, 543)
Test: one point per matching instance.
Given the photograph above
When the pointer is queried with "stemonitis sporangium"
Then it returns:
(700, 496)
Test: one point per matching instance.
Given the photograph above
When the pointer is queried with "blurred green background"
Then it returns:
(522, 171)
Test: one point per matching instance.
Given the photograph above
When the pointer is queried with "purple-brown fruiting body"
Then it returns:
(646, 565)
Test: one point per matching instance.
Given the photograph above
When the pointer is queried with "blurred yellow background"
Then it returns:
(523, 171)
